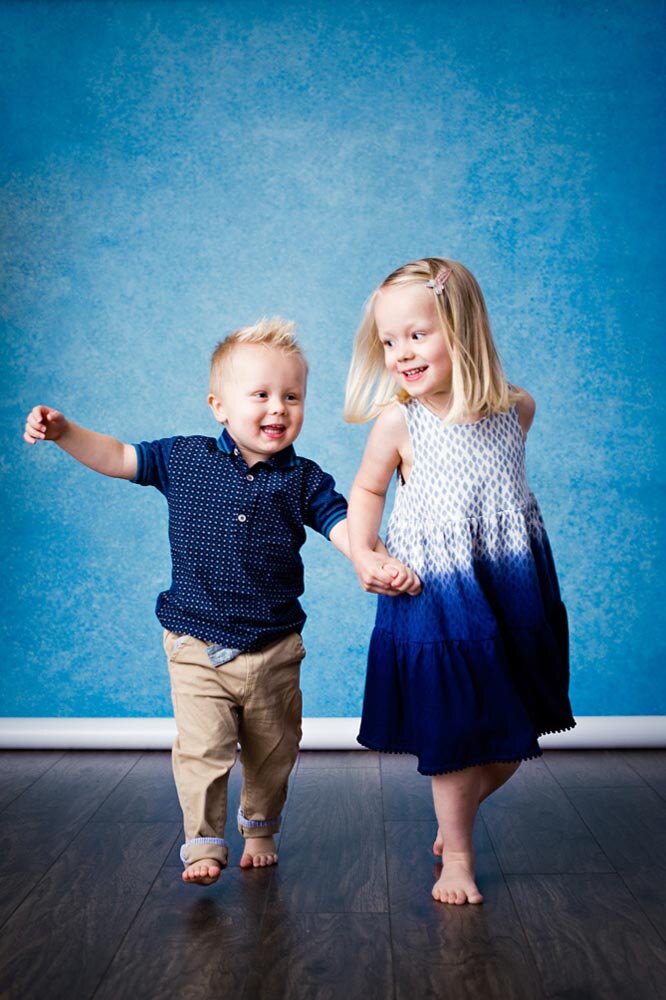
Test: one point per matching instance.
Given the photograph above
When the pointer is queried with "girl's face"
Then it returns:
(410, 330)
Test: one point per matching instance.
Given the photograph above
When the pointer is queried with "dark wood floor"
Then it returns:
(571, 859)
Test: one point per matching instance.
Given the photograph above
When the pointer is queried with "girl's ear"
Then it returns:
(218, 408)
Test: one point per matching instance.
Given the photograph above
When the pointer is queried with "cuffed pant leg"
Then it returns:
(206, 711)
(270, 733)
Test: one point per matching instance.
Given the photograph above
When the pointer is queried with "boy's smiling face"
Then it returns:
(261, 400)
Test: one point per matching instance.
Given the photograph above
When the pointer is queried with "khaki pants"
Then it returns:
(253, 700)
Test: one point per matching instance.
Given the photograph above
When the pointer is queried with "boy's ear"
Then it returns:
(218, 408)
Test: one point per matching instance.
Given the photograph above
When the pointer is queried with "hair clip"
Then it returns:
(439, 280)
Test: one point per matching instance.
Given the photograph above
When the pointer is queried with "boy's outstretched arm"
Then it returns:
(98, 451)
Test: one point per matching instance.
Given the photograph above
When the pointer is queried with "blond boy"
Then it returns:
(238, 507)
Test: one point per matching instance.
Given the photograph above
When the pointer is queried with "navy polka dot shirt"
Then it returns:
(235, 535)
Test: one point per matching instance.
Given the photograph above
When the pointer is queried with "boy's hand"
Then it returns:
(44, 424)
(380, 574)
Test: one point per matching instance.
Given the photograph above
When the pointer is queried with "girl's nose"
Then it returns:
(406, 352)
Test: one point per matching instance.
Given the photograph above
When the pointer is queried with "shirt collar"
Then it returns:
(284, 459)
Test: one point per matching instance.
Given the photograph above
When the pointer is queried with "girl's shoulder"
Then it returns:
(392, 419)
(525, 408)
(390, 428)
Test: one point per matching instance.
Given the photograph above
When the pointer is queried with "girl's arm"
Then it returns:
(98, 451)
(382, 457)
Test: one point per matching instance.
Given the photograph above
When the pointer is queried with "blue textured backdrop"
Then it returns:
(176, 169)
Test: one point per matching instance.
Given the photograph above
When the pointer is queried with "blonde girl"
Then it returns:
(468, 674)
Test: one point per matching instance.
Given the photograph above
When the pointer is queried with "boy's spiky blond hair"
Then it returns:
(271, 331)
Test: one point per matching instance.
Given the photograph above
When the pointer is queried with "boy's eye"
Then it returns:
(261, 394)
(292, 397)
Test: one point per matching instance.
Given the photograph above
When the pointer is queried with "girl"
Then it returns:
(470, 673)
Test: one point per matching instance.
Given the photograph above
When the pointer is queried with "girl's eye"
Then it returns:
(387, 343)
(418, 334)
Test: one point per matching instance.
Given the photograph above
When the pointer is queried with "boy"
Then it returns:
(232, 620)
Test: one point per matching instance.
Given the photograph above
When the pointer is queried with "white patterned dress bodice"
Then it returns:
(467, 523)
(462, 471)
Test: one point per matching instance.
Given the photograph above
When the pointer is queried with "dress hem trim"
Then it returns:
(471, 763)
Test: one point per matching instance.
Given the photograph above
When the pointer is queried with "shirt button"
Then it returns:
(235, 451)
(249, 478)
(242, 517)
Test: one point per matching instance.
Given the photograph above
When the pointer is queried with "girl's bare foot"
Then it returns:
(259, 852)
(456, 883)
(203, 872)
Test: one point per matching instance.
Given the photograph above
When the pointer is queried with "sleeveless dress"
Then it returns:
(475, 668)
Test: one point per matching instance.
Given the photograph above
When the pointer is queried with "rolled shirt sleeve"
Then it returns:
(152, 463)
(324, 507)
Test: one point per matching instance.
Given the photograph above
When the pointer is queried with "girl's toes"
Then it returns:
(460, 897)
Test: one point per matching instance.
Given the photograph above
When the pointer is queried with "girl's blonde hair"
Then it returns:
(274, 332)
(478, 383)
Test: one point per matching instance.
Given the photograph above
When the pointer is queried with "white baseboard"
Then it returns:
(592, 732)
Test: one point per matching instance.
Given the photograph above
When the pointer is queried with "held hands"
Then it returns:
(44, 424)
(379, 573)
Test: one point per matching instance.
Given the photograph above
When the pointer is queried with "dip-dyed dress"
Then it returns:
(476, 667)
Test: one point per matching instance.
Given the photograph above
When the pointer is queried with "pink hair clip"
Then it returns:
(439, 280)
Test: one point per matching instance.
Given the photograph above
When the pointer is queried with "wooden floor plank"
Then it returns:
(64, 935)
(339, 956)
(407, 795)
(453, 951)
(630, 825)
(190, 941)
(535, 829)
(38, 825)
(21, 768)
(651, 765)
(591, 769)
(14, 887)
(330, 759)
(588, 937)
(332, 848)
(147, 793)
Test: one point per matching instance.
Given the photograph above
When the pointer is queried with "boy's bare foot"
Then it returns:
(438, 846)
(456, 883)
(203, 872)
(259, 853)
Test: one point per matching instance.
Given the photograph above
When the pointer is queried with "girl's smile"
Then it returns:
(413, 374)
